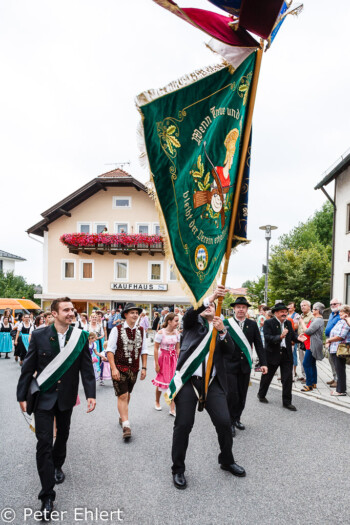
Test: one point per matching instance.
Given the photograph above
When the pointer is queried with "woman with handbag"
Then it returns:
(312, 337)
(340, 334)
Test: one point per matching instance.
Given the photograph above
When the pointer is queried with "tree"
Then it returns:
(256, 290)
(15, 286)
(300, 264)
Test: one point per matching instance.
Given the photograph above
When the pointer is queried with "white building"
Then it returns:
(340, 174)
(7, 261)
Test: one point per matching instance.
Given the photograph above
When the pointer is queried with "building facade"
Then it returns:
(8, 260)
(340, 174)
(97, 271)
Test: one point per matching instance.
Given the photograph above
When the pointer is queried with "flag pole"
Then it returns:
(245, 144)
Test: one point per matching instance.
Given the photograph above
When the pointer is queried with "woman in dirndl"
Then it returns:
(5, 337)
(24, 330)
(166, 352)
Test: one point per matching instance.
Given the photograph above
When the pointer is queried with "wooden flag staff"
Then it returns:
(245, 144)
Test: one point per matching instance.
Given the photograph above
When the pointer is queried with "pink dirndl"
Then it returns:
(167, 359)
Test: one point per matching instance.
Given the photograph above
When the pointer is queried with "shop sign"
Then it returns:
(140, 287)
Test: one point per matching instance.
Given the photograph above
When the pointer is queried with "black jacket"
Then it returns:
(43, 348)
(236, 361)
(272, 334)
(195, 328)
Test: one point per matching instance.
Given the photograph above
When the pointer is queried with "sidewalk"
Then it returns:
(323, 392)
(324, 374)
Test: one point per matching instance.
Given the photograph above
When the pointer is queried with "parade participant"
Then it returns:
(111, 322)
(125, 345)
(39, 322)
(93, 353)
(166, 351)
(245, 334)
(5, 337)
(58, 353)
(279, 335)
(198, 325)
(7, 313)
(24, 329)
(84, 322)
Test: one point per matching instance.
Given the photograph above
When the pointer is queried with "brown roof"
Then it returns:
(238, 291)
(117, 177)
(117, 173)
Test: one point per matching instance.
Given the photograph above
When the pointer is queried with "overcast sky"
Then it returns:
(70, 70)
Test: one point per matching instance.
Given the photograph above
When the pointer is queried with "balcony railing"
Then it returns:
(113, 243)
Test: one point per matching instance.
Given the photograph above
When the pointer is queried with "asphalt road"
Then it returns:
(297, 464)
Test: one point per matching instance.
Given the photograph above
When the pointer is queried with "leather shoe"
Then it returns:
(290, 407)
(180, 480)
(59, 476)
(235, 469)
(262, 399)
(233, 430)
(46, 509)
(239, 425)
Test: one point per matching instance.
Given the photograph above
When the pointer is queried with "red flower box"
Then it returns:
(107, 239)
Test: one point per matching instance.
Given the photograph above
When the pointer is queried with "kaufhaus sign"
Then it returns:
(140, 286)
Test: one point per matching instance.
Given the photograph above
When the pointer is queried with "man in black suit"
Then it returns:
(279, 335)
(59, 399)
(195, 328)
(238, 364)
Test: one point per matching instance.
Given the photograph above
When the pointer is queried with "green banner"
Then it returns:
(192, 132)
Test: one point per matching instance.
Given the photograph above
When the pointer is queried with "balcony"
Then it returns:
(114, 244)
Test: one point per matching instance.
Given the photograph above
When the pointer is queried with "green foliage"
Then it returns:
(15, 286)
(228, 299)
(300, 264)
(255, 290)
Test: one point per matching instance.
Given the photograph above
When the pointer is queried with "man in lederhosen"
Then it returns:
(126, 343)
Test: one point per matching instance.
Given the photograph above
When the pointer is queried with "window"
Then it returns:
(100, 226)
(156, 229)
(172, 276)
(84, 227)
(348, 218)
(68, 269)
(86, 270)
(121, 270)
(143, 228)
(155, 271)
(121, 202)
(347, 290)
(121, 227)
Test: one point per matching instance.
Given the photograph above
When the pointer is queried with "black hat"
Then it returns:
(128, 307)
(278, 307)
(240, 300)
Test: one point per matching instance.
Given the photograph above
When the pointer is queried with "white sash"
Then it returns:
(235, 326)
(61, 357)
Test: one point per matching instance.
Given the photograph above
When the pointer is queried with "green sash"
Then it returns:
(239, 338)
(63, 360)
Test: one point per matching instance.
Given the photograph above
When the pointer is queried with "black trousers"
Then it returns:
(237, 389)
(216, 406)
(339, 363)
(286, 368)
(49, 456)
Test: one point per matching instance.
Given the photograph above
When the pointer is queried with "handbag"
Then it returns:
(343, 350)
(32, 396)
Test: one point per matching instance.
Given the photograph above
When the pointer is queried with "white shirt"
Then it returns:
(198, 372)
(283, 341)
(113, 339)
(62, 339)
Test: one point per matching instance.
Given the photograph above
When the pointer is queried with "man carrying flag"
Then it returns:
(187, 386)
(57, 353)
(245, 334)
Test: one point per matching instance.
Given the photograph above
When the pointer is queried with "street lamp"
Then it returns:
(268, 228)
